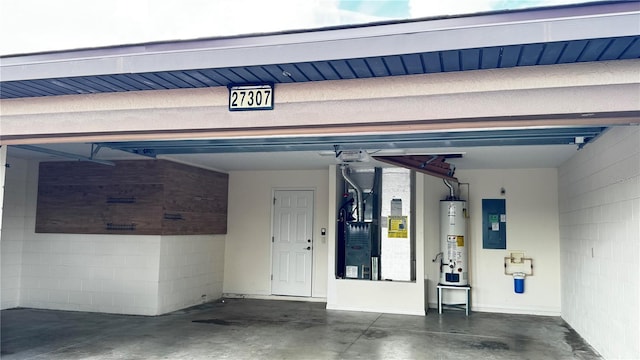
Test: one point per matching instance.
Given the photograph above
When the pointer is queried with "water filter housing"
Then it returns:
(453, 243)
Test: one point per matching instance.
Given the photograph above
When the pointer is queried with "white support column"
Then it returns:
(3, 168)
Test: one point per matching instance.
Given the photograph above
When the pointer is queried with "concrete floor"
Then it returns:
(260, 329)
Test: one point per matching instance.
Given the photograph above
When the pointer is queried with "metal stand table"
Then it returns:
(466, 306)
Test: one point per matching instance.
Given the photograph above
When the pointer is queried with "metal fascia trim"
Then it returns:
(361, 42)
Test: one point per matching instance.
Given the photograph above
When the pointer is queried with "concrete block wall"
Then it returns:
(599, 202)
(101, 273)
(12, 233)
(191, 271)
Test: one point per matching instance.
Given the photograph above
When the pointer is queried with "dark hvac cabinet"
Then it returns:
(358, 250)
(359, 241)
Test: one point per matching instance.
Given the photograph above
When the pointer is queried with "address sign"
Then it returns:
(251, 97)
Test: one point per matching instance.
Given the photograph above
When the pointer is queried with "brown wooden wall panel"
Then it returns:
(69, 208)
(193, 223)
(200, 195)
(81, 172)
(134, 197)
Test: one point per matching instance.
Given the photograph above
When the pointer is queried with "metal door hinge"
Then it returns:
(271, 276)
(273, 239)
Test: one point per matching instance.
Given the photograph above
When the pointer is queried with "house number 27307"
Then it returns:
(258, 97)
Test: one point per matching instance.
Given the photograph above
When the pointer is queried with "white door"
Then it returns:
(292, 242)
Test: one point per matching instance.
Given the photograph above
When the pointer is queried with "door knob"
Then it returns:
(308, 248)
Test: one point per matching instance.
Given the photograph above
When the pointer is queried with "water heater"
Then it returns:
(453, 231)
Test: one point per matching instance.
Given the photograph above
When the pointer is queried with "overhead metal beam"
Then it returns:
(64, 154)
(550, 136)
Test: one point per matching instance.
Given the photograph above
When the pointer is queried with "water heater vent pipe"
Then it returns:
(452, 192)
(360, 199)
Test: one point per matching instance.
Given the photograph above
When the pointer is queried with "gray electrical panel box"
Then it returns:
(494, 224)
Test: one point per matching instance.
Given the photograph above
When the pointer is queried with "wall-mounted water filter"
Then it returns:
(519, 266)
(518, 282)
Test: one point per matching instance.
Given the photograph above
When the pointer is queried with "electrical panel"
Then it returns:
(494, 224)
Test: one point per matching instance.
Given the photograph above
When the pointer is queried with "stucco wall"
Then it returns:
(248, 247)
(419, 102)
(532, 228)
